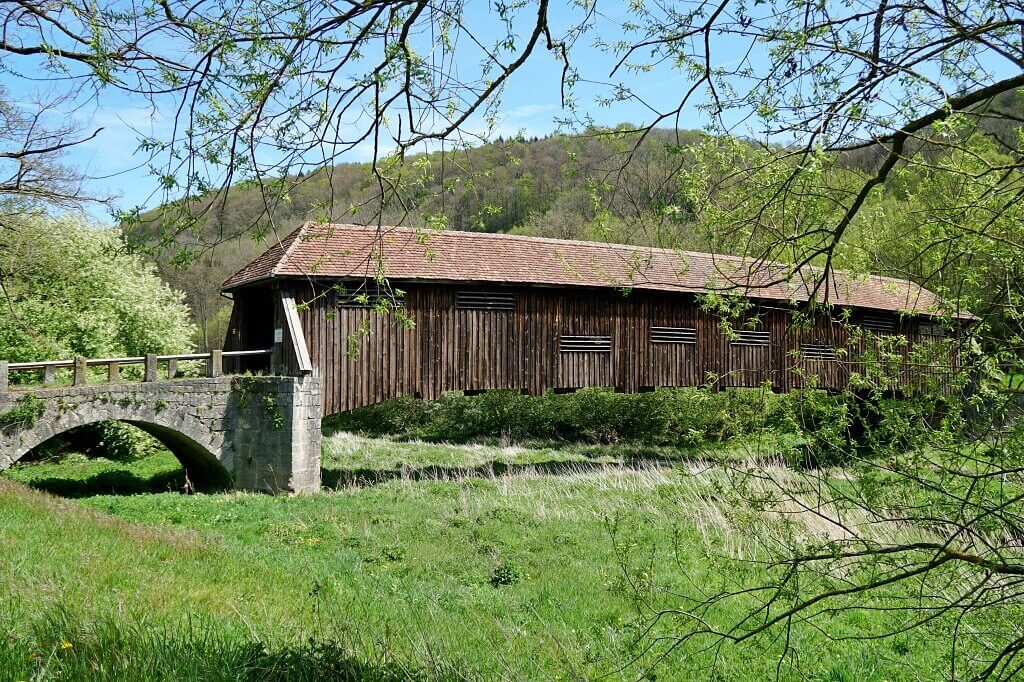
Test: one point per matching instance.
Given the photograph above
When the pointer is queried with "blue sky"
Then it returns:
(531, 105)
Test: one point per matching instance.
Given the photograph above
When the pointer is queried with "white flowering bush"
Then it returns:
(72, 288)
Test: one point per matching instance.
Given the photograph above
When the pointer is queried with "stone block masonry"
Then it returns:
(250, 433)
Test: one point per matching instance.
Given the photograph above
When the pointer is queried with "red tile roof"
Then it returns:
(401, 253)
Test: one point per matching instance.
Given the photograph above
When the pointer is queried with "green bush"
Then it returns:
(826, 428)
(506, 573)
(896, 424)
(825, 422)
(685, 416)
(24, 414)
(113, 440)
(73, 289)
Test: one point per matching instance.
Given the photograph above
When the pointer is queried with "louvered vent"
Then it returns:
(358, 298)
(673, 335)
(485, 300)
(585, 344)
(879, 325)
(935, 331)
(818, 351)
(749, 337)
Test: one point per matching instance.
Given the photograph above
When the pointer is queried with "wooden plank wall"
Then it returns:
(365, 357)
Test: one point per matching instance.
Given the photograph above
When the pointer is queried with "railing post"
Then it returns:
(151, 364)
(172, 368)
(49, 374)
(5, 375)
(80, 377)
(216, 364)
(113, 372)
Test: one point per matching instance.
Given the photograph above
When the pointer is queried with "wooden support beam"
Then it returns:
(151, 367)
(49, 374)
(172, 368)
(113, 372)
(215, 367)
(4, 376)
(298, 339)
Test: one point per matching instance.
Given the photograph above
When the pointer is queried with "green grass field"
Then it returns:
(426, 561)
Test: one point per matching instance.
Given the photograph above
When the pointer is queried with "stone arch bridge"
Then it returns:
(248, 432)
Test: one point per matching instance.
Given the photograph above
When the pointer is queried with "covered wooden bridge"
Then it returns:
(487, 311)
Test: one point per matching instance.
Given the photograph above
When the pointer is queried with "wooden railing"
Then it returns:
(151, 366)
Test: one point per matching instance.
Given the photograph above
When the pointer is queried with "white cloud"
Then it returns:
(529, 111)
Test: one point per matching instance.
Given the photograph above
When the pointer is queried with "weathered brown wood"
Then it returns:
(452, 348)
(297, 350)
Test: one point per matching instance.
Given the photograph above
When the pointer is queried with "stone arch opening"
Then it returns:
(203, 470)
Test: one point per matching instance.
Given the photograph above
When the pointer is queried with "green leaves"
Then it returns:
(74, 290)
(24, 414)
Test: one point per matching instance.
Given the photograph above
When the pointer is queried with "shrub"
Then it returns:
(123, 442)
(73, 289)
(897, 424)
(24, 414)
(825, 423)
(827, 428)
(113, 440)
(684, 416)
(506, 573)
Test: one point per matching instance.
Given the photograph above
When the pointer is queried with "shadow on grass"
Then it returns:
(320, 661)
(342, 478)
(153, 656)
(115, 482)
(121, 482)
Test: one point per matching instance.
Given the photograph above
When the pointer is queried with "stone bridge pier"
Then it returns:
(251, 433)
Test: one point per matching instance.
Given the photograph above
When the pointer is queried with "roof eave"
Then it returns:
(580, 285)
(227, 286)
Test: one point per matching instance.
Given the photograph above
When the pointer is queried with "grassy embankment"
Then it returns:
(532, 574)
